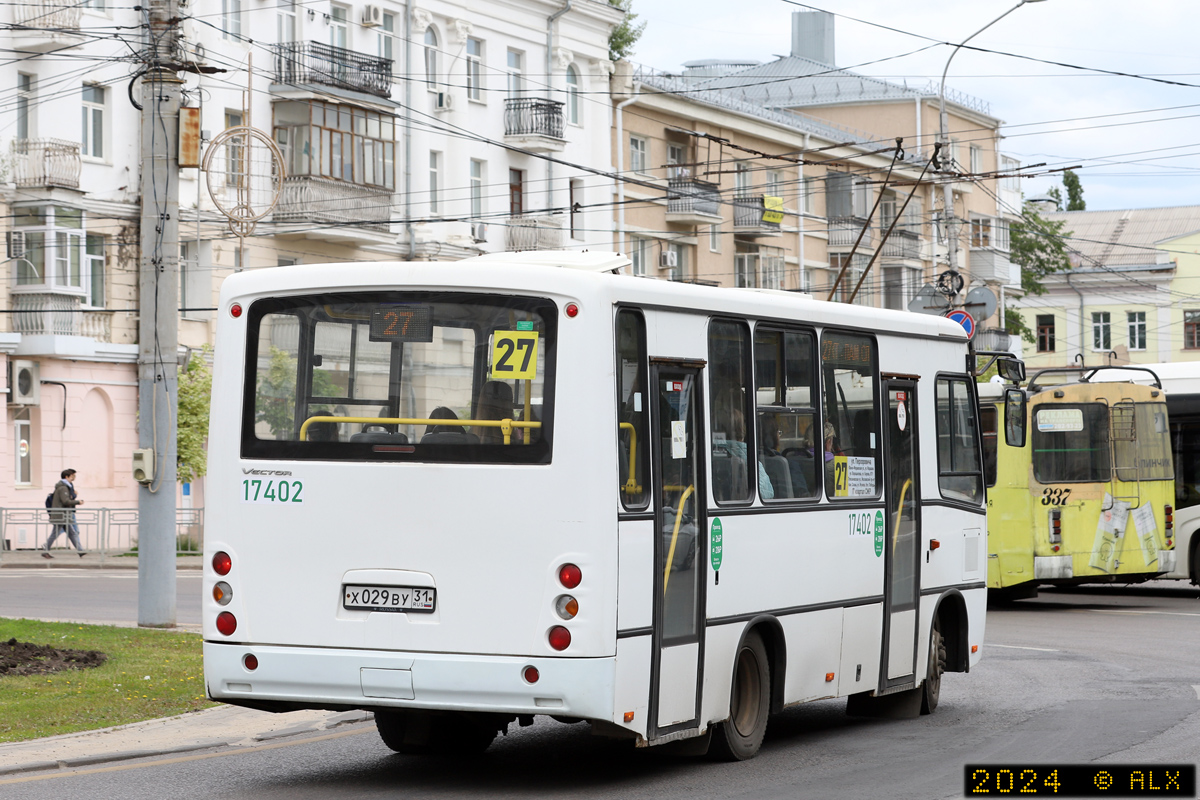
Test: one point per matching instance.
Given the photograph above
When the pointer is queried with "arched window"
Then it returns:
(572, 95)
(431, 57)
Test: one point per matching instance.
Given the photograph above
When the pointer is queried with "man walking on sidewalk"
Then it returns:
(62, 513)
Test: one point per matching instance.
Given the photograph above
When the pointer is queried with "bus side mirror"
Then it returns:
(1011, 369)
(1014, 417)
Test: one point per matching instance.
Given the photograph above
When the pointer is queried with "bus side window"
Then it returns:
(633, 411)
(960, 472)
(731, 412)
(785, 397)
(850, 405)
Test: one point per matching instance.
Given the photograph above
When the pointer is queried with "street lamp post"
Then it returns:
(944, 137)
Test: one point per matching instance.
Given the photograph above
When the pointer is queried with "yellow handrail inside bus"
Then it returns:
(899, 510)
(675, 537)
(505, 425)
(631, 484)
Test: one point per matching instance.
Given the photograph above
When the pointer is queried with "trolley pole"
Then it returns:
(158, 325)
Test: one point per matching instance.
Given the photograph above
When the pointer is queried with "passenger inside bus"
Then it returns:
(447, 434)
(736, 448)
(785, 470)
(495, 402)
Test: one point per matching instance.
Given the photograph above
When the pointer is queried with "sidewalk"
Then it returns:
(30, 559)
(223, 726)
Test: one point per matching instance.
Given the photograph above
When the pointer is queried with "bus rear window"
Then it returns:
(400, 376)
(1141, 442)
(1070, 443)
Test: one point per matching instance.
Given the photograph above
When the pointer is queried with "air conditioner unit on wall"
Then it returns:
(444, 101)
(372, 16)
(479, 231)
(16, 244)
(668, 258)
(25, 383)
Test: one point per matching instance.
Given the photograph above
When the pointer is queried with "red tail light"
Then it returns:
(251, 661)
(226, 623)
(1169, 518)
(560, 637)
(1055, 526)
(569, 575)
(531, 675)
(222, 563)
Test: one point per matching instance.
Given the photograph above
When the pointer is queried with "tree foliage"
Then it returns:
(1039, 247)
(276, 392)
(195, 392)
(624, 36)
(1055, 193)
(1075, 200)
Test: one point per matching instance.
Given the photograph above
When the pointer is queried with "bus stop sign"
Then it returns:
(964, 319)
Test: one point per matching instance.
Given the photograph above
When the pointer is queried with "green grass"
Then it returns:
(148, 674)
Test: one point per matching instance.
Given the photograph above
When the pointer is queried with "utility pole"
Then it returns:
(158, 325)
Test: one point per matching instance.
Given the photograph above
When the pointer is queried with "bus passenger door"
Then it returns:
(903, 530)
(679, 550)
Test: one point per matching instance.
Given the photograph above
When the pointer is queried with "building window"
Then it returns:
(25, 104)
(93, 121)
(22, 431)
(1101, 331)
(474, 69)
(435, 165)
(431, 58)
(233, 151)
(1191, 330)
(337, 26)
(989, 232)
(675, 157)
(95, 5)
(899, 285)
(54, 247)
(1045, 333)
(1137, 330)
(774, 183)
(575, 190)
(93, 263)
(285, 21)
(516, 192)
(676, 261)
(976, 159)
(742, 180)
(572, 105)
(714, 238)
(809, 187)
(231, 19)
(386, 42)
(757, 266)
(1009, 168)
(637, 255)
(337, 141)
(850, 278)
(637, 154)
(516, 83)
(477, 170)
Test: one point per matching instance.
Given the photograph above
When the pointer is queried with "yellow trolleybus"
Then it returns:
(1088, 498)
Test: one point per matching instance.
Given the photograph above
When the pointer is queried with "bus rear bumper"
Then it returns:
(290, 678)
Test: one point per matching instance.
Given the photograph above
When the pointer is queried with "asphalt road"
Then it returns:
(1093, 675)
(88, 595)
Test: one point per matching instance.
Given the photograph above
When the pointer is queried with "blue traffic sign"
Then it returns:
(965, 319)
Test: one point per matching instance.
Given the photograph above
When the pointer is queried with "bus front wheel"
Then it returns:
(739, 737)
(932, 689)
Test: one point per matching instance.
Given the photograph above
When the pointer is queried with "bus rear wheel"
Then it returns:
(932, 689)
(739, 737)
(421, 733)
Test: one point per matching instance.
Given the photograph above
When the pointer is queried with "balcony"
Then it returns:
(310, 199)
(42, 25)
(844, 231)
(991, 265)
(54, 314)
(902, 245)
(39, 163)
(693, 202)
(533, 233)
(748, 213)
(534, 124)
(314, 62)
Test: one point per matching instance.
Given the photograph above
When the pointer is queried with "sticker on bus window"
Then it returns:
(1059, 420)
(678, 438)
(514, 355)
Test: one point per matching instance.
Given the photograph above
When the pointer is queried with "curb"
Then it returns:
(126, 564)
(346, 718)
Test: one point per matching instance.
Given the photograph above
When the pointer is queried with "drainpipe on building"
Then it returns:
(550, 88)
(408, 226)
(1081, 340)
(621, 169)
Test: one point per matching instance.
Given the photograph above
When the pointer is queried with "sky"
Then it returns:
(1136, 141)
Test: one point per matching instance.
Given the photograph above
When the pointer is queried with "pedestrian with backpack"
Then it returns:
(62, 502)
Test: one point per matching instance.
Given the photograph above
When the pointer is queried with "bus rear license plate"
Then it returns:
(388, 598)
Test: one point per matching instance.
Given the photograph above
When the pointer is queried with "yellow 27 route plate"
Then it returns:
(514, 355)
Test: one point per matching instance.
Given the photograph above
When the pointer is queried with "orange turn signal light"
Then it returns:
(828, 677)
(629, 716)
(934, 544)
(974, 648)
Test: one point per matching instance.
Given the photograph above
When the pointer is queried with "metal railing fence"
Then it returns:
(106, 532)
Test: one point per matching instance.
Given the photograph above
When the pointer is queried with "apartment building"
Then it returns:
(405, 131)
(824, 105)
(1130, 297)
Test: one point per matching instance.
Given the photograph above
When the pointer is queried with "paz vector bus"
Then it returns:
(463, 494)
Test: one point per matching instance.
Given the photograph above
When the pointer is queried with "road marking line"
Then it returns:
(184, 759)
(1018, 647)
(1137, 611)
